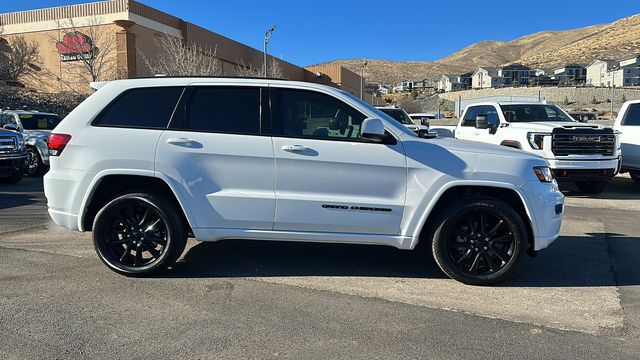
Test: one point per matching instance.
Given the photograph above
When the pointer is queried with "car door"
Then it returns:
(467, 130)
(489, 135)
(329, 179)
(215, 153)
(630, 137)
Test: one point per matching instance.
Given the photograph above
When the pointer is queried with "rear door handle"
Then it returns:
(180, 141)
(295, 148)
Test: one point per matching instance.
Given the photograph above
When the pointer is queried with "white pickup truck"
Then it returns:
(587, 154)
(628, 124)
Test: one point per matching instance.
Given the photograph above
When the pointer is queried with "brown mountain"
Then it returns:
(547, 50)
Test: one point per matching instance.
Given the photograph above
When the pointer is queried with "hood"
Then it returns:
(548, 126)
(476, 147)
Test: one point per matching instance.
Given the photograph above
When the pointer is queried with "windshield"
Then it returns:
(39, 121)
(399, 115)
(534, 113)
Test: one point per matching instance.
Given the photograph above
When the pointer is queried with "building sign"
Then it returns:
(76, 46)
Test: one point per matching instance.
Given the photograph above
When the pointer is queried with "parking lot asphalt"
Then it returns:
(248, 299)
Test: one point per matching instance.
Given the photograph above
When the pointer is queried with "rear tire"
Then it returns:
(479, 241)
(635, 175)
(592, 187)
(139, 234)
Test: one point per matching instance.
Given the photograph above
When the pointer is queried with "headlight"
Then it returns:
(536, 140)
(21, 143)
(543, 173)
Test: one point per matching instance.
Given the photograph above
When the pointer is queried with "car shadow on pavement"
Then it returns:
(8, 201)
(244, 258)
(620, 188)
(571, 261)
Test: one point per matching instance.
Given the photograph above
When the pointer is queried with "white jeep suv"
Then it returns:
(587, 154)
(144, 163)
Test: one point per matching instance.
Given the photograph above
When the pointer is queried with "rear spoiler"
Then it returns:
(97, 85)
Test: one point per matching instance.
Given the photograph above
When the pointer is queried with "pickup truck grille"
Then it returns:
(583, 142)
(8, 144)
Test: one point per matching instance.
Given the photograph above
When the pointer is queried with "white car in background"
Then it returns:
(628, 124)
(585, 154)
(403, 118)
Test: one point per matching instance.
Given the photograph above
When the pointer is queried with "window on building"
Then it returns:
(149, 108)
(224, 109)
(314, 115)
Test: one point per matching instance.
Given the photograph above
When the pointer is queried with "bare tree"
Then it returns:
(249, 70)
(17, 57)
(89, 48)
(275, 71)
(175, 58)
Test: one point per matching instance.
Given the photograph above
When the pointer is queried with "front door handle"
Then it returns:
(295, 148)
(180, 141)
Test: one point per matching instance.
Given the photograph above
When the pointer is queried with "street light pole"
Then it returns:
(362, 80)
(267, 36)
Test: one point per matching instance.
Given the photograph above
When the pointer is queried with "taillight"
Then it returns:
(57, 143)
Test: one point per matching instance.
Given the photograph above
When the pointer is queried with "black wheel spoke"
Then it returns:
(138, 259)
(496, 227)
(464, 256)
(126, 253)
(503, 257)
(489, 262)
(474, 265)
(144, 217)
(503, 239)
(482, 224)
(155, 253)
(156, 240)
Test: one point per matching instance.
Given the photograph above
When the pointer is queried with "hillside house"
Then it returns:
(449, 83)
(516, 74)
(571, 74)
(485, 78)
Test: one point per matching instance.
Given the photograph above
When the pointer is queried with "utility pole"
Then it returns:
(362, 80)
(613, 91)
(267, 36)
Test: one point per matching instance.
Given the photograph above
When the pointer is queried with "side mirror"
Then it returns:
(11, 127)
(425, 121)
(481, 122)
(373, 129)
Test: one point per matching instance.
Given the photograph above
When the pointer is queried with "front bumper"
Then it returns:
(14, 164)
(546, 208)
(584, 170)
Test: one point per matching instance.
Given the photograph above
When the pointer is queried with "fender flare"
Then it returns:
(422, 220)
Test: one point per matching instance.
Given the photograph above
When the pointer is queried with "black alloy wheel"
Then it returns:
(138, 234)
(479, 241)
(34, 163)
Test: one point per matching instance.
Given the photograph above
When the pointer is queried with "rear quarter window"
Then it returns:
(148, 108)
(632, 117)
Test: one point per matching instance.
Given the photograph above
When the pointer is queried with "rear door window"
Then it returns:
(224, 109)
(632, 117)
(148, 108)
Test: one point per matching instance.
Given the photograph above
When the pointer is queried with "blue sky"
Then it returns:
(310, 32)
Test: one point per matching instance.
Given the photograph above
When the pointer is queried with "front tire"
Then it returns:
(592, 187)
(479, 241)
(635, 175)
(139, 234)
